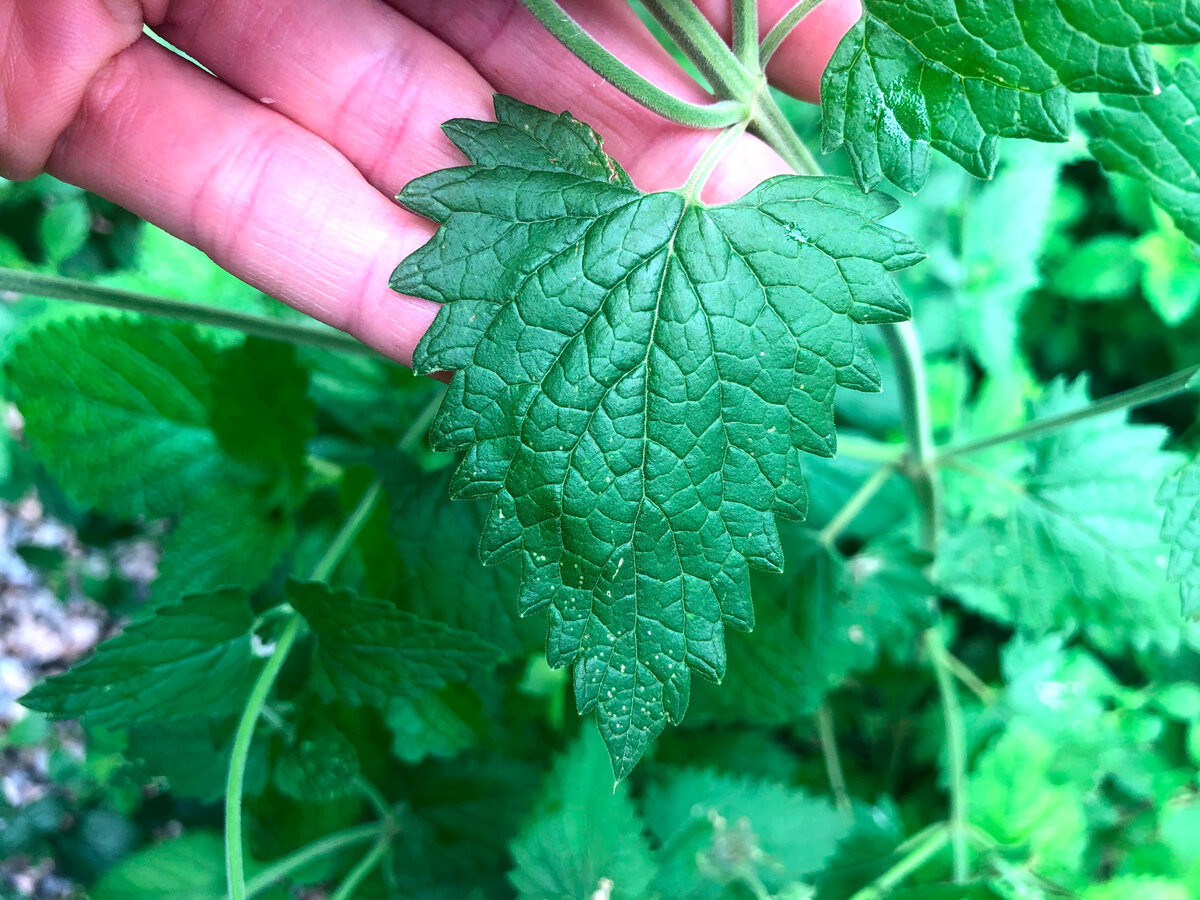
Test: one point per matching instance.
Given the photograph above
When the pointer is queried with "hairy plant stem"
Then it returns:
(706, 49)
(781, 29)
(235, 864)
(956, 752)
(833, 761)
(55, 287)
(605, 64)
(1153, 392)
(925, 846)
(709, 159)
(745, 33)
(856, 504)
(318, 849)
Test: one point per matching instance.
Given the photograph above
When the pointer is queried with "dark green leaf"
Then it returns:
(1154, 138)
(189, 658)
(585, 836)
(919, 74)
(1180, 497)
(639, 378)
(370, 650)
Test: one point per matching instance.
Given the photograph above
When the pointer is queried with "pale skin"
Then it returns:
(283, 167)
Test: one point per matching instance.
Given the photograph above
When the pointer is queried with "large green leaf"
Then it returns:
(191, 658)
(955, 77)
(370, 650)
(1068, 535)
(585, 836)
(638, 378)
(1154, 138)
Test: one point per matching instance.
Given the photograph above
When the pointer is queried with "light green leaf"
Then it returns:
(1180, 498)
(1170, 274)
(919, 74)
(1103, 268)
(1143, 887)
(720, 829)
(441, 724)
(189, 658)
(191, 867)
(1155, 139)
(370, 650)
(1067, 535)
(584, 837)
(639, 376)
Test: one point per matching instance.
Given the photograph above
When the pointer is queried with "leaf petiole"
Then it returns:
(855, 505)
(709, 160)
(745, 33)
(326, 846)
(931, 842)
(781, 29)
(604, 63)
(56, 287)
(956, 752)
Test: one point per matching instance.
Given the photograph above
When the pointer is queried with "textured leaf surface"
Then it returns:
(1157, 139)
(721, 828)
(190, 657)
(1070, 537)
(140, 417)
(916, 75)
(828, 617)
(585, 836)
(637, 379)
(371, 650)
(1180, 497)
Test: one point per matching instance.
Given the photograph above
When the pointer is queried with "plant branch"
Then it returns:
(929, 846)
(967, 676)
(770, 124)
(318, 849)
(745, 33)
(833, 761)
(956, 752)
(709, 159)
(855, 505)
(1155, 391)
(350, 883)
(905, 349)
(235, 865)
(706, 49)
(781, 29)
(604, 63)
(55, 287)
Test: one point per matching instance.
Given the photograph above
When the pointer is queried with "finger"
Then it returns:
(51, 50)
(364, 78)
(506, 42)
(800, 60)
(273, 204)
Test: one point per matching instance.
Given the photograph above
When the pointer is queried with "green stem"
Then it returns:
(833, 761)
(576, 39)
(706, 49)
(973, 682)
(770, 124)
(855, 505)
(1155, 391)
(917, 419)
(350, 883)
(956, 752)
(56, 287)
(781, 29)
(745, 33)
(709, 159)
(850, 446)
(235, 865)
(319, 849)
(936, 838)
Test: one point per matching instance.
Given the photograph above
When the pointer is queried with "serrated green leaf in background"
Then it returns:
(637, 379)
(188, 658)
(585, 836)
(941, 75)
(190, 867)
(370, 650)
(1068, 536)
(1180, 499)
(716, 830)
(828, 619)
(1155, 139)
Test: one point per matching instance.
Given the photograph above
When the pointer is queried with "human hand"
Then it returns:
(283, 166)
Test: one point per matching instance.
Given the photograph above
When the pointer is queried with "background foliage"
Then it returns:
(417, 714)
